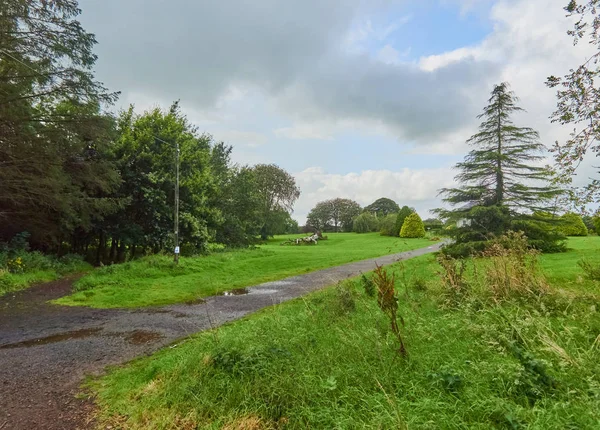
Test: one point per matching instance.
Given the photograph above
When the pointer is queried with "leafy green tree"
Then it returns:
(494, 177)
(52, 132)
(383, 207)
(387, 226)
(319, 216)
(402, 215)
(343, 212)
(572, 225)
(334, 214)
(145, 155)
(278, 192)
(240, 206)
(413, 226)
(365, 223)
(578, 95)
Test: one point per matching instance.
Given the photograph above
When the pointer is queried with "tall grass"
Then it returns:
(304, 364)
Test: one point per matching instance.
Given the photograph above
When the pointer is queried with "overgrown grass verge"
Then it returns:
(156, 280)
(20, 270)
(330, 360)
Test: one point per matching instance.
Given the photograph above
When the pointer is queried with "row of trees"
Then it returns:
(81, 180)
(384, 215)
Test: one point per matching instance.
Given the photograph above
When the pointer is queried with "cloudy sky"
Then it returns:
(356, 98)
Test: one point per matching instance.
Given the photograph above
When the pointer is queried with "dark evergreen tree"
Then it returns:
(502, 184)
(404, 213)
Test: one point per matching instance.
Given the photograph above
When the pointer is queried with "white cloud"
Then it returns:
(412, 187)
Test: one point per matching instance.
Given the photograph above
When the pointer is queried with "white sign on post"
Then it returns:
(176, 250)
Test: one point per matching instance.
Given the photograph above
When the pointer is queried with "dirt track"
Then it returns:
(47, 350)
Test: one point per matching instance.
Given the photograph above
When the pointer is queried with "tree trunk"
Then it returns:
(113, 250)
(121, 252)
(132, 254)
(101, 248)
(499, 172)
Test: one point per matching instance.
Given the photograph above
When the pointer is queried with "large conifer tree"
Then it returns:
(502, 183)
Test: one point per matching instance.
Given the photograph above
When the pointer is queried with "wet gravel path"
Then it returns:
(46, 350)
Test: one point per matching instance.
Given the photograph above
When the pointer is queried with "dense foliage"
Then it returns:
(82, 181)
(334, 215)
(383, 207)
(493, 197)
(387, 226)
(412, 226)
(572, 224)
(404, 213)
(365, 223)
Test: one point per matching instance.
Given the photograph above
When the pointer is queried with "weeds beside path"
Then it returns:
(46, 350)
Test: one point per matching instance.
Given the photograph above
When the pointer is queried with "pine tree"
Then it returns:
(402, 215)
(501, 183)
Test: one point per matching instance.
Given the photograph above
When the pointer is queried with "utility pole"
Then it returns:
(176, 257)
(176, 217)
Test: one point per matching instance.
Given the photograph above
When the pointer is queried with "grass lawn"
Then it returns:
(329, 361)
(156, 281)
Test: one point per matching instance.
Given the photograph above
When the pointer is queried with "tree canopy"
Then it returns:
(501, 183)
(334, 214)
(578, 103)
(382, 207)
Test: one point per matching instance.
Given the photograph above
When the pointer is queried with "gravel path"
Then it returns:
(47, 350)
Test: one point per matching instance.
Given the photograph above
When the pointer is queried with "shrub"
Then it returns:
(387, 226)
(413, 226)
(572, 225)
(596, 222)
(511, 267)
(453, 277)
(365, 223)
(592, 270)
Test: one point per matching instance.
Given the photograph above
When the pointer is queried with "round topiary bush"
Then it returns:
(572, 225)
(413, 226)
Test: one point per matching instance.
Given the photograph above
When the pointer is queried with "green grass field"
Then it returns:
(156, 281)
(318, 362)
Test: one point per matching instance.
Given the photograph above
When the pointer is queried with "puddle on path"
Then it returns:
(141, 337)
(76, 334)
(236, 292)
(244, 291)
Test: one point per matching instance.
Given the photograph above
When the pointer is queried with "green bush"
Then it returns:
(387, 226)
(596, 222)
(365, 223)
(400, 218)
(572, 225)
(413, 226)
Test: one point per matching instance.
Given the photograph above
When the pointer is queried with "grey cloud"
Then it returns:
(292, 51)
